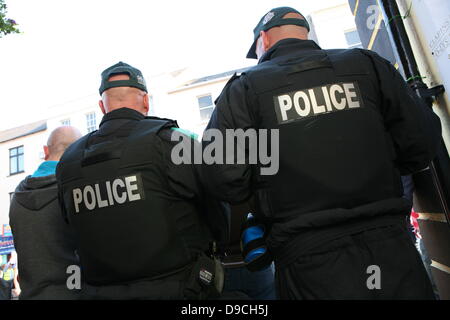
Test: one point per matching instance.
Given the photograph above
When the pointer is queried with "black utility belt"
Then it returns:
(304, 243)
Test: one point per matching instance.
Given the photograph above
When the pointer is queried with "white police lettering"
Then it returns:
(316, 101)
(268, 17)
(140, 80)
(107, 193)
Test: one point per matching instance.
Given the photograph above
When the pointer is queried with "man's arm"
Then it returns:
(414, 128)
(181, 178)
(185, 181)
(230, 182)
(16, 281)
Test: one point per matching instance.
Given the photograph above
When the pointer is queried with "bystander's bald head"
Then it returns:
(59, 140)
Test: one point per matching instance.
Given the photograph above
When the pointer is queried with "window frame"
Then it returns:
(151, 105)
(355, 45)
(88, 120)
(211, 106)
(17, 156)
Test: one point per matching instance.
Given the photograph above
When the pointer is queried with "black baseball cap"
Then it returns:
(274, 18)
(136, 79)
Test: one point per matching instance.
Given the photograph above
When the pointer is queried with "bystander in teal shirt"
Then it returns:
(46, 168)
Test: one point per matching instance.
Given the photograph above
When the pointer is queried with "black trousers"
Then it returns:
(375, 264)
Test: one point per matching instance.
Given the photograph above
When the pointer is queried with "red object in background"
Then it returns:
(414, 222)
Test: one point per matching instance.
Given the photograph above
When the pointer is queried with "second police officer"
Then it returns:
(349, 127)
(126, 200)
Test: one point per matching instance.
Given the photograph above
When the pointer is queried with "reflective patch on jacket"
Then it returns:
(312, 102)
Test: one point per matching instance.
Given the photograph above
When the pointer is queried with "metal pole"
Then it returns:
(440, 168)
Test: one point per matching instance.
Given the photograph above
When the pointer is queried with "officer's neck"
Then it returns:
(122, 113)
(286, 46)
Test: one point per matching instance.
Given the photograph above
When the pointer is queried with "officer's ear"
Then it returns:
(102, 107)
(46, 153)
(146, 104)
(262, 44)
(265, 40)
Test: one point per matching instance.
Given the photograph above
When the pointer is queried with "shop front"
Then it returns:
(6, 243)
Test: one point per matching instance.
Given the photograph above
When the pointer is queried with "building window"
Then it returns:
(151, 103)
(16, 160)
(65, 122)
(90, 122)
(205, 103)
(353, 40)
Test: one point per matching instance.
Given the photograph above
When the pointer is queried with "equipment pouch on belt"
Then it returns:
(205, 280)
(253, 245)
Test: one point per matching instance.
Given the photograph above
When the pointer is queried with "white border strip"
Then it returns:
(440, 266)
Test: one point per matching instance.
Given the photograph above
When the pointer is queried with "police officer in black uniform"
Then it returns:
(349, 127)
(138, 217)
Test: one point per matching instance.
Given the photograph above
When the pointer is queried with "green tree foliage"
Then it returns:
(7, 26)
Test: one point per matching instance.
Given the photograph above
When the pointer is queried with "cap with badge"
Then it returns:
(274, 18)
(136, 79)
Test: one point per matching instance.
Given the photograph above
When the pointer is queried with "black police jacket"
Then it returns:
(136, 215)
(349, 127)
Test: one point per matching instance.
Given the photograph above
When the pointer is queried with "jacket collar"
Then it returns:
(288, 46)
(122, 113)
(46, 168)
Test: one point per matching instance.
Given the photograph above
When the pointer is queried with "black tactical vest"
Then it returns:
(334, 150)
(130, 226)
